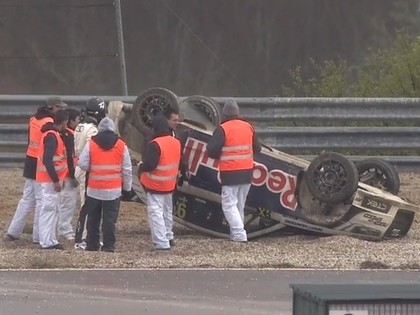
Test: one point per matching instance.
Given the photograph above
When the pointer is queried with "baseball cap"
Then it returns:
(55, 101)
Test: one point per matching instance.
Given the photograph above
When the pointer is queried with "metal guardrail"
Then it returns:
(334, 138)
(292, 138)
(16, 109)
(258, 109)
(334, 109)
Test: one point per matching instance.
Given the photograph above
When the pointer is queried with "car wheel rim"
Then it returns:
(207, 112)
(330, 177)
(151, 106)
(374, 177)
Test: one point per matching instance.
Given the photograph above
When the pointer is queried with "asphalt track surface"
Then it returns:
(158, 292)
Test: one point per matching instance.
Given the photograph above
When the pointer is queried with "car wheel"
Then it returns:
(150, 103)
(201, 110)
(380, 174)
(318, 212)
(331, 178)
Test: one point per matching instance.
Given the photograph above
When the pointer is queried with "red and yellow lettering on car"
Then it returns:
(275, 180)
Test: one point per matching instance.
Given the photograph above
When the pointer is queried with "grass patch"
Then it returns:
(48, 263)
(206, 266)
(409, 266)
(368, 264)
(283, 265)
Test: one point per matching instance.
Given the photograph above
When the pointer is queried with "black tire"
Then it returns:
(318, 212)
(380, 174)
(201, 110)
(148, 104)
(331, 178)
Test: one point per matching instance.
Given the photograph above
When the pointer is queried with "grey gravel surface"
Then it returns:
(196, 250)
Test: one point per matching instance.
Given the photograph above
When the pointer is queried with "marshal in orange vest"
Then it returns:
(59, 160)
(35, 134)
(163, 177)
(237, 151)
(105, 166)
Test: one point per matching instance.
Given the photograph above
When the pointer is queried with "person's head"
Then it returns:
(230, 109)
(55, 103)
(74, 118)
(95, 107)
(106, 124)
(61, 119)
(160, 124)
(172, 116)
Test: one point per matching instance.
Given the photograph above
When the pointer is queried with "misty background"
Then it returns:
(214, 47)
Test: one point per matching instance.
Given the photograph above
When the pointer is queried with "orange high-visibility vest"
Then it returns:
(105, 166)
(35, 134)
(163, 177)
(237, 151)
(59, 159)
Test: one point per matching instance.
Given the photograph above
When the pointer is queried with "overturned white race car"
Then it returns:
(330, 195)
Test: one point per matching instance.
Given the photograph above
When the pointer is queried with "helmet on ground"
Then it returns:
(96, 107)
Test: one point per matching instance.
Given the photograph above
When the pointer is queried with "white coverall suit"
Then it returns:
(48, 215)
(30, 200)
(83, 132)
(32, 195)
(68, 200)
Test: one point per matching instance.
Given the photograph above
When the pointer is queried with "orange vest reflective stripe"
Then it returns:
(163, 177)
(35, 135)
(59, 160)
(237, 151)
(105, 166)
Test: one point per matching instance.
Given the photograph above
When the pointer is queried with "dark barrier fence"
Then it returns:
(266, 112)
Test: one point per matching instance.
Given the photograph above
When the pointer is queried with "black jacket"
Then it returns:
(29, 168)
(105, 139)
(68, 138)
(181, 136)
(90, 120)
(214, 149)
(50, 146)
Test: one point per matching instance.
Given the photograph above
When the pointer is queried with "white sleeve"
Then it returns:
(84, 158)
(82, 135)
(126, 170)
(93, 131)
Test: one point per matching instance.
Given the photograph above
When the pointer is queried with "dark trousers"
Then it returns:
(80, 225)
(81, 220)
(107, 210)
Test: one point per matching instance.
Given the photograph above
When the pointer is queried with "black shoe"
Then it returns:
(10, 238)
(57, 246)
(171, 243)
(92, 249)
(107, 249)
(160, 249)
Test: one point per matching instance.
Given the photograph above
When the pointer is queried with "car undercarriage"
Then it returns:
(329, 195)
